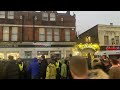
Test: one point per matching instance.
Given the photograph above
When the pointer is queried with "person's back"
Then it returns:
(63, 70)
(51, 71)
(34, 68)
(44, 65)
(11, 70)
(1, 69)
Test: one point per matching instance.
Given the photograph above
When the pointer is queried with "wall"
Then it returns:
(109, 31)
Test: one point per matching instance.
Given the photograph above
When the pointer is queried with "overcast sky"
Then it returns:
(87, 19)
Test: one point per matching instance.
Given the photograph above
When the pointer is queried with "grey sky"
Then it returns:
(87, 19)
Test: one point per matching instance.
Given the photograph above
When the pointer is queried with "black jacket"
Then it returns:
(43, 66)
(11, 70)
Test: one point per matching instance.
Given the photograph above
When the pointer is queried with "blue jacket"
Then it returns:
(34, 68)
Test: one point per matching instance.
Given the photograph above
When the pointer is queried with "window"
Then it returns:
(2, 14)
(28, 54)
(117, 40)
(5, 33)
(88, 39)
(56, 34)
(49, 34)
(35, 18)
(67, 35)
(14, 35)
(52, 17)
(21, 16)
(61, 19)
(106, 40)
(41, 34)
(45, 16)
(10, 14)
(113, 41)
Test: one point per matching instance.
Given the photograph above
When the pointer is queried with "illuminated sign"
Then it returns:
(112, 48)
(92, 46)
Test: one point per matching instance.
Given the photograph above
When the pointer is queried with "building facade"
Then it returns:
(100, 37)
(29, 34)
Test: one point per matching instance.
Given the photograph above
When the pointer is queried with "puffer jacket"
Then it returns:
(51, 71)
(11, 70)
(63, 69)
(97, 74)
(34, 68)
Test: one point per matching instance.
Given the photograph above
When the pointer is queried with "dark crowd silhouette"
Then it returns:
(72, 67)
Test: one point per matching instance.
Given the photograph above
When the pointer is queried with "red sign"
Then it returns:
(112, 48)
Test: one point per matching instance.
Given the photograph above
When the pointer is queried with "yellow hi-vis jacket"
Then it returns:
(57, 64)
(21, 66)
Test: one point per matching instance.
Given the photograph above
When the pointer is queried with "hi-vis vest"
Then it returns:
(21, 66)
(57, 64)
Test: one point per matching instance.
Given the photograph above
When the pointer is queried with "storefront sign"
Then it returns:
(113, 48)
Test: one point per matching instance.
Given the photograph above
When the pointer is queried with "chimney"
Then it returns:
(68, 12)
(111, 24)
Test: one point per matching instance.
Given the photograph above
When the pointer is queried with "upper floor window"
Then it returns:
(41, 34)
(45, 16)
(21, 16)
(106, 40)
(10, 14)
(67, 34)
(88, 39)
(52, 17)
(56, 35)
(49, 34)
(35, 18)
(117, 40)
(2, 14)
(5, 33)
(14, 35)
(62, 19)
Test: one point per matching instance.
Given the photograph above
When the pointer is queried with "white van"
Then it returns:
(109, 54)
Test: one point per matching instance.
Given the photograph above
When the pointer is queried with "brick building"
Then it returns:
(29, 34)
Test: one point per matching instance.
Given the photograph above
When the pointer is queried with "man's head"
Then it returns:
(70, 55)
(42, 57)
(10, 57)
(103, 57)
(78, 67)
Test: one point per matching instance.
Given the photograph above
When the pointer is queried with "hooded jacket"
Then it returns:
(63, 69)
(51, 71)
(44, 65)
(34, 67)
(11, 70)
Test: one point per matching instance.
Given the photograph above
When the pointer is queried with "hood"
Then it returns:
(98, 74)
(51, 65)
(35, 60)
(62, 61)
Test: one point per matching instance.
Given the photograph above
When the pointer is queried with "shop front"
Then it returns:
(56, 53)
(16, 55)
(2, 57)
(40, 53)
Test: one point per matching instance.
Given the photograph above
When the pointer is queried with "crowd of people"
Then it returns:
(72, 67)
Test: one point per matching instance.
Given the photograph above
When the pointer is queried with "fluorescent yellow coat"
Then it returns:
(51, 71)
